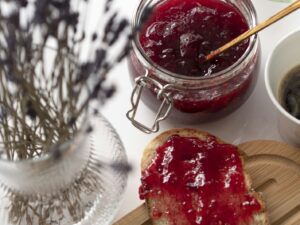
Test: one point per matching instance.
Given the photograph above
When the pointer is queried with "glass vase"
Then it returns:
(80, 184)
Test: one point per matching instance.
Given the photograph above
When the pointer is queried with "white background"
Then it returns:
(256, 119)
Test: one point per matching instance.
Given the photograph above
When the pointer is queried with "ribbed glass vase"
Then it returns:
(80, 184)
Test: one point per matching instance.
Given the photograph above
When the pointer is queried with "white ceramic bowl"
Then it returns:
(284, 57)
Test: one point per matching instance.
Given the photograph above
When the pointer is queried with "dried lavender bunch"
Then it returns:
(52, 68)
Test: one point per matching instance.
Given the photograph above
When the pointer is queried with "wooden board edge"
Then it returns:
(136, 217)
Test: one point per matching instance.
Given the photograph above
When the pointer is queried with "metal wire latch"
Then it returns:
(162, 94)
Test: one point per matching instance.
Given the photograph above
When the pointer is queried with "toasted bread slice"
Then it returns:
(159, 208)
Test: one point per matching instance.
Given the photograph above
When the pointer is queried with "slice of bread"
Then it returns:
(161, 207)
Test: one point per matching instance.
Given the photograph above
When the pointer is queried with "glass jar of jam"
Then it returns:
(167, 64)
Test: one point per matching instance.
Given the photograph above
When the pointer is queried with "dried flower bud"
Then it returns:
(23, 3)
(124, 52)
(61, 5)
(41, 11)
(109, 27)
(110, 91)
(107, 5)
(72, 19)
(94, 36)
(122, 26)
(14, 19)
(100, 57)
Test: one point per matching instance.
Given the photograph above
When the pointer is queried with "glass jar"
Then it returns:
(191, 99)
(81, 185)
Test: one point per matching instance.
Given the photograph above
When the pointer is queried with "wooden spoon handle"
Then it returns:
(286, 11)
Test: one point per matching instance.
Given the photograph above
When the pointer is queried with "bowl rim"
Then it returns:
(267, 76)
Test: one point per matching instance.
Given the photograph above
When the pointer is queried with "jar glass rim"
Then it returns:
(137, 47)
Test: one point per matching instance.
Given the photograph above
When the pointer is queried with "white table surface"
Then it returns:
(256, 119)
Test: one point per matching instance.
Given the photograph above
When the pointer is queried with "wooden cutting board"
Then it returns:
(275, 171)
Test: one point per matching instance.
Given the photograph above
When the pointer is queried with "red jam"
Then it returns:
(180, 33)
(176, 36)
(204, 178)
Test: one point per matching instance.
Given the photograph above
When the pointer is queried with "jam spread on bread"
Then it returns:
(205, 179)
(180, 33)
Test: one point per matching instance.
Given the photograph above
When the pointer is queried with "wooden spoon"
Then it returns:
(286, 11)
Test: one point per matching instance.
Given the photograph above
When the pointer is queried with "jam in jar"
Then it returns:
(168, 52)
